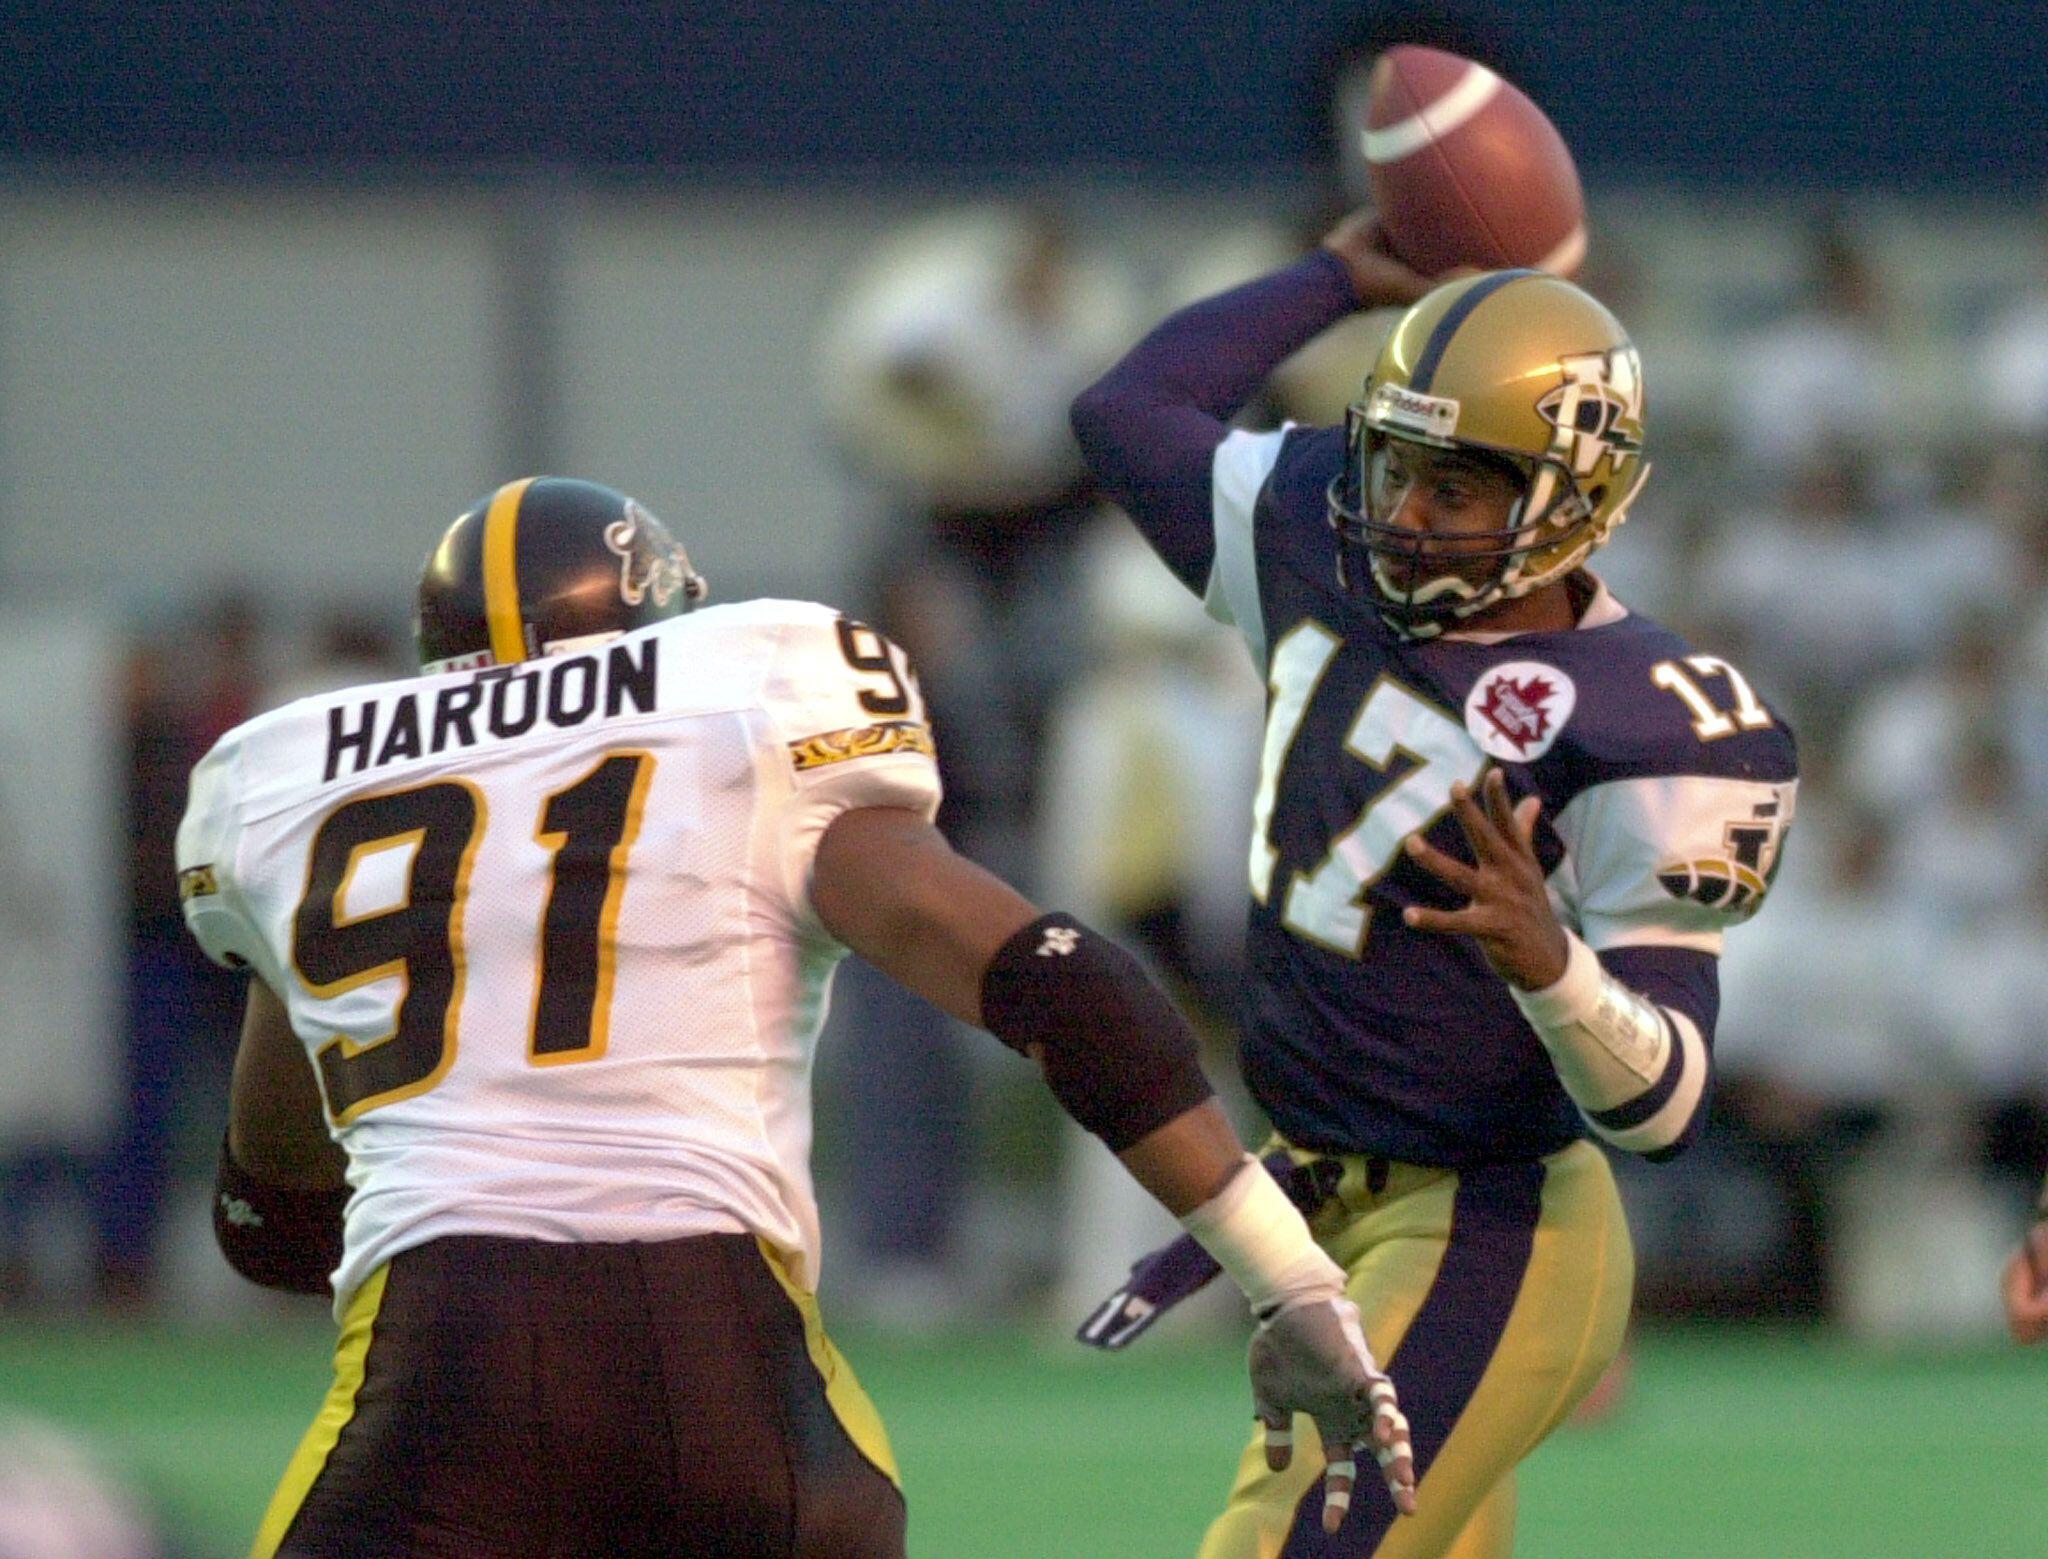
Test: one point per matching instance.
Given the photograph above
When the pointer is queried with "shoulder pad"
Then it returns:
(207, 838)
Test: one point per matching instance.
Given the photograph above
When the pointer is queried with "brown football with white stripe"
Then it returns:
(1466, 171)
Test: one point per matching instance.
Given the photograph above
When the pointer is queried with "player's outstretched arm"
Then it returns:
(277, 1206)
(1122, 1062)
(2026, 1281)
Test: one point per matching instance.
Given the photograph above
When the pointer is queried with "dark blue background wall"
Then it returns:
(1912, 92)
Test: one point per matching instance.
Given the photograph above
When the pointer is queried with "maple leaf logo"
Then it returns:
(1519, 711)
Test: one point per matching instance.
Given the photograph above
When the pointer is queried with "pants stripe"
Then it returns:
(850, 1403)
(1450, 1343)
(351, 1353)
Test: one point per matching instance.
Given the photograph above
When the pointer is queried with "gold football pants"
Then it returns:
(1495, 1297)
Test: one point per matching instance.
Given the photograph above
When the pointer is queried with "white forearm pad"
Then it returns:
(1259, 1237)
(1636, 1069)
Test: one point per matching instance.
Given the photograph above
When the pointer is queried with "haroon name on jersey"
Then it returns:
(499, 701)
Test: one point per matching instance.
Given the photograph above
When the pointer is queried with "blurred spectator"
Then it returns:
(36, 1172)
(1654, 564)
(58, 1502)
(2012, 356)
(1992, 987)
(1822, 375)
(187, 687)
(1816, 1039)
(1966, 853)
(1815, 586)
(1964, 546)
(1150, 765)
(348, 649)
(1907, 735)
(2017, 494)
(947, 370)
(1812, 1009)
(1975, 878)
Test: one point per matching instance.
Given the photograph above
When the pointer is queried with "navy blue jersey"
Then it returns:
(1667, 788)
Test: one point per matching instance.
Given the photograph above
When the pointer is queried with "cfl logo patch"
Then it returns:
(1060, 941)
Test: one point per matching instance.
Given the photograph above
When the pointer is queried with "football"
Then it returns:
(1466, 171)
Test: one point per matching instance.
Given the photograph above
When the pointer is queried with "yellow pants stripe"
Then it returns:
(1564, 1324)
(850, 1402)
(305, 1466)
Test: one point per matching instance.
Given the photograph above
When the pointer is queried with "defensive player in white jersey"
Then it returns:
(554, 924)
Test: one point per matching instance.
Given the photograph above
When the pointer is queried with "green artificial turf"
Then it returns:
(1750, 1445)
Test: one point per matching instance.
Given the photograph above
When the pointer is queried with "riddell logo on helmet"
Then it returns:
(1394, 409)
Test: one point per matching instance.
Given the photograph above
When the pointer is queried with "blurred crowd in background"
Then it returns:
(1869, 548)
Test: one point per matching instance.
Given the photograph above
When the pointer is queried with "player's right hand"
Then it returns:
(2026, 1287)
(1379, 279)
(1311, 1357)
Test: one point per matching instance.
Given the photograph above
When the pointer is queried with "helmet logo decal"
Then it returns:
(650, 561)
(1396, 409)
(1597, 411)
(1515, 711)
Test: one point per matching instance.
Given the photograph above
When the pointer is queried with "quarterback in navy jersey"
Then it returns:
(1502, 823)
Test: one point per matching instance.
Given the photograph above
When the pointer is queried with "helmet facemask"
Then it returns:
(1549, 531)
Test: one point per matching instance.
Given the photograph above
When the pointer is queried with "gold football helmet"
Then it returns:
(1513, 365)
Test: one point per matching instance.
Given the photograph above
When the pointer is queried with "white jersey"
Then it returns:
(545, 930)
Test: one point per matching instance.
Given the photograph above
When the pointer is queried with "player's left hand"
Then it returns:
(2026, 1286)
(1509, 911)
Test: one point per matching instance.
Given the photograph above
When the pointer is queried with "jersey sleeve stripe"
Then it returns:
(1671, 1121)
(1243, 461)
(868, 741)
(501, 572)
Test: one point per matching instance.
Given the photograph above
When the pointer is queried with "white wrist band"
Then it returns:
(1607, 1042)
(1260, 1238)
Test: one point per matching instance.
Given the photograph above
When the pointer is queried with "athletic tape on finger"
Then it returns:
(1398, 1445)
